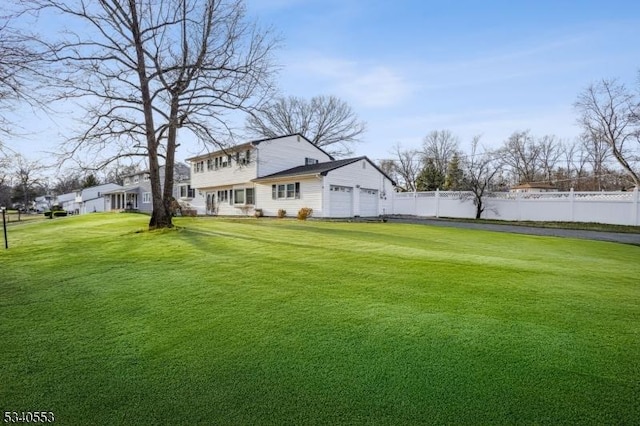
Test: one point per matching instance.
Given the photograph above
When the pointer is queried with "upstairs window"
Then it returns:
(198, 167)
(308, 161)
(210, 164)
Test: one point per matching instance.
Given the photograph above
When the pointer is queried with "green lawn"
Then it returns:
(284, 322)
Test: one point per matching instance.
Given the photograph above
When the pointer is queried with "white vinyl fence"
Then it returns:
(616, 208)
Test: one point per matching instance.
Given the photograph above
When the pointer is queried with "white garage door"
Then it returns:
(368, 202)
(340, 201)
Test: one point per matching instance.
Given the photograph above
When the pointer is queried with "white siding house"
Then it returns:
(93, 199)
(289, 173)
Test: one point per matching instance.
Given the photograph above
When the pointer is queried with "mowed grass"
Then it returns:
(283, 322)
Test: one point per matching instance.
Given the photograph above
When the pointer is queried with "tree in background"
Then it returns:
(454, 179)
(28, 180)
(89, 181)
(430, 177)
(521, 154)
(146, 69)
(407, 165)
(480, 170)
(609, 113)
(327, 121)
(440, 146)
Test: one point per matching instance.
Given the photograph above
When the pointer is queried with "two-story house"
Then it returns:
(135, 192)
(289, 173)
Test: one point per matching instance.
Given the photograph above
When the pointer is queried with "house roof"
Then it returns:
(123, 189)
(318, 169)
(249, 144)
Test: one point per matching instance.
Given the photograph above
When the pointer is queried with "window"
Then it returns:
(282, 191)
(187, 192)
(308, 161)
(244, 196)
(224, 161)
(238, 157)
(145, 177)
(146, 197)
(127, 181)
(210, 164)
(222, 196)
(136, 179)
(238, 194)
(250, 196)
(199, 167)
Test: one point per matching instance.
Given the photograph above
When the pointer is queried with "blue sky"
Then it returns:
(410, 67)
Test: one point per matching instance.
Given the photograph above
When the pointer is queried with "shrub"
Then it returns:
(282, 213)
(258, 213)
(189, 212)
(304, 213)
(58, 213)
(48, 214)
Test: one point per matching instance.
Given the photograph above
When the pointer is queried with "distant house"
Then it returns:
(288, 173)
(534, 187)
(68, 202)
(93, 199)
(135, 193)
(44, 203)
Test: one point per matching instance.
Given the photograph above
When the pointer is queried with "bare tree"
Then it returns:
(408, 164)
(28, 176)
(521, 154)
(440, 146)
(597, 152)
(608, 113)
(549, 153)
(18, 73)
(327, 121)
(480, 170)
(144, 69)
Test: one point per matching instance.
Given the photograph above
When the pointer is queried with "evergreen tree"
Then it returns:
(89, 181)
(430, 178)
(453, 181)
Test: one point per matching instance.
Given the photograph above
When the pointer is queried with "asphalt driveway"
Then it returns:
(618, 237)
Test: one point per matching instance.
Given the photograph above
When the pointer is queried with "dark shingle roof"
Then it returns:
(318, 169)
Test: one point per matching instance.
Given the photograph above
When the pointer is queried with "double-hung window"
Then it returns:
(285, 191)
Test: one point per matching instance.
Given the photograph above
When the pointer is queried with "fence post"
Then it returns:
(437, 202)
(636, 205)
(572, 198)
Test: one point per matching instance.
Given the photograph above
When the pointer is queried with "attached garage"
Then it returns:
(340, 201)
(369, 202)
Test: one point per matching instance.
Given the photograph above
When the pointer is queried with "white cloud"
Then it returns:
(365, 85)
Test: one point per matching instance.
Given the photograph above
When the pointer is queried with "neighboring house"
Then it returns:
(534, 187)
(94, 199)
(135, 193)
(44, 203)
(289, 173)
(68, 202)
